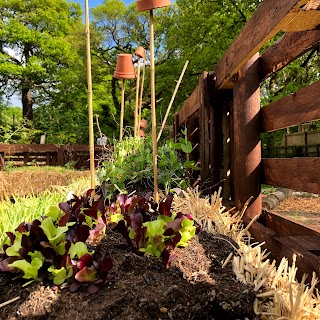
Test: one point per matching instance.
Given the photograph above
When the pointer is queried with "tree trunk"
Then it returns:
(114, 94)
(27, 103)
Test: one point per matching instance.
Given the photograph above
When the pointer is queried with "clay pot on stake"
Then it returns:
(140, 53)
(124, 70)
(144, 5)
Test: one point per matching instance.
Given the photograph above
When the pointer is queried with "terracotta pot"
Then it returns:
(143, 124)
(124, 68)
(144, 5)
(140, 52)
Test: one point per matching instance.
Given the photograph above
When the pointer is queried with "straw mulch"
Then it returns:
(24, 182)
(278, 293)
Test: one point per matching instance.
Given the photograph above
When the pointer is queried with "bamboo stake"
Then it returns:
(90, 112)
(172, 99)
(153, 110)
(141, 91)
(9, 301)
(122, 111)
(136, 124)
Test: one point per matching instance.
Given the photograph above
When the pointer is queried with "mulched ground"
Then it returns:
(301, 209)
(194, 287)
(23, 182)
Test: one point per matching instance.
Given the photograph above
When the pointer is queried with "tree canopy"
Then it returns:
(43, 59)
(35, 52)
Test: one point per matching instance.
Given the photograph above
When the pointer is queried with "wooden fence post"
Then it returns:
(246, 138)
(1, 160)
(60, 156)
(204, 131)
(176, 126)
(226, 97)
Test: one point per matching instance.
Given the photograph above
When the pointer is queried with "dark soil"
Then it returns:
(194, 287)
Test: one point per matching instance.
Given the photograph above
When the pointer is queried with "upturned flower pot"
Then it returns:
(144, 5)
(143, 124)
(140, 52)
(124, 68)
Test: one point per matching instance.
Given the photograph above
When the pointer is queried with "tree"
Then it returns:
(118, 28)
(34, 49)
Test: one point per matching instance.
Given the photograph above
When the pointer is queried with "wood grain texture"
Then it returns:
(246, 154)
(305, 20)
(204, 131)
(281, 246)
(270, 17)
(288, 48)
(301, 174)
(299, 107)
(12, 148)
(190, 106)
(285, 226)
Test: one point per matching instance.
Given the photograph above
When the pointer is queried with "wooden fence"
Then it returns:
(47, 154)
(224, 122)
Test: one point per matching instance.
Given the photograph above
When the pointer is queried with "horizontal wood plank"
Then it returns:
(301, 174)
(20, 148)
(305, 20)
(280, 247)
(11, 148)
(190, 106)
(299, 107)
(290, 47)
(287, 227)
(270, 17)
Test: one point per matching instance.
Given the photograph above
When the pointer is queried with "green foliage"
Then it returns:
(40, 61)
(150, 228)
(55, 246)
(30, 269)
(132, 163)
(32, 206)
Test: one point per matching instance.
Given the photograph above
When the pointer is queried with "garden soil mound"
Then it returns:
(194, 287)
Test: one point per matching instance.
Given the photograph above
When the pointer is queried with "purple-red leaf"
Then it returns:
(85, 261)
(93, 288)
(165, 206)
(64, 219)
(65, 206)
(4, 263)
(22, 227)
(75, 286)
(11, 236)
(175, 225)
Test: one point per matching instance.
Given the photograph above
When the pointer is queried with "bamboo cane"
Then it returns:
(136, 124)
(90, 112)
(172, 99)
(122, 111)
(141, 91)
(153, 110)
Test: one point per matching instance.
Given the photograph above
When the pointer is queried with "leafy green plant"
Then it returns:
(151, 229)
(132, 164)
(54, 247)
(34, 206)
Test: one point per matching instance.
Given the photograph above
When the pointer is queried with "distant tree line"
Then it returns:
(43, 61)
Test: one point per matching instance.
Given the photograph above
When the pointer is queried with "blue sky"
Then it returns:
(94, 3)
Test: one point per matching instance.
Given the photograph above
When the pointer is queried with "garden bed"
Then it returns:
(194, 287)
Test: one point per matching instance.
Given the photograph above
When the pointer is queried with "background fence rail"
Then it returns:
(47, 154)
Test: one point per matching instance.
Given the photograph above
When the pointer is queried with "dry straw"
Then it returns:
(278, 293)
